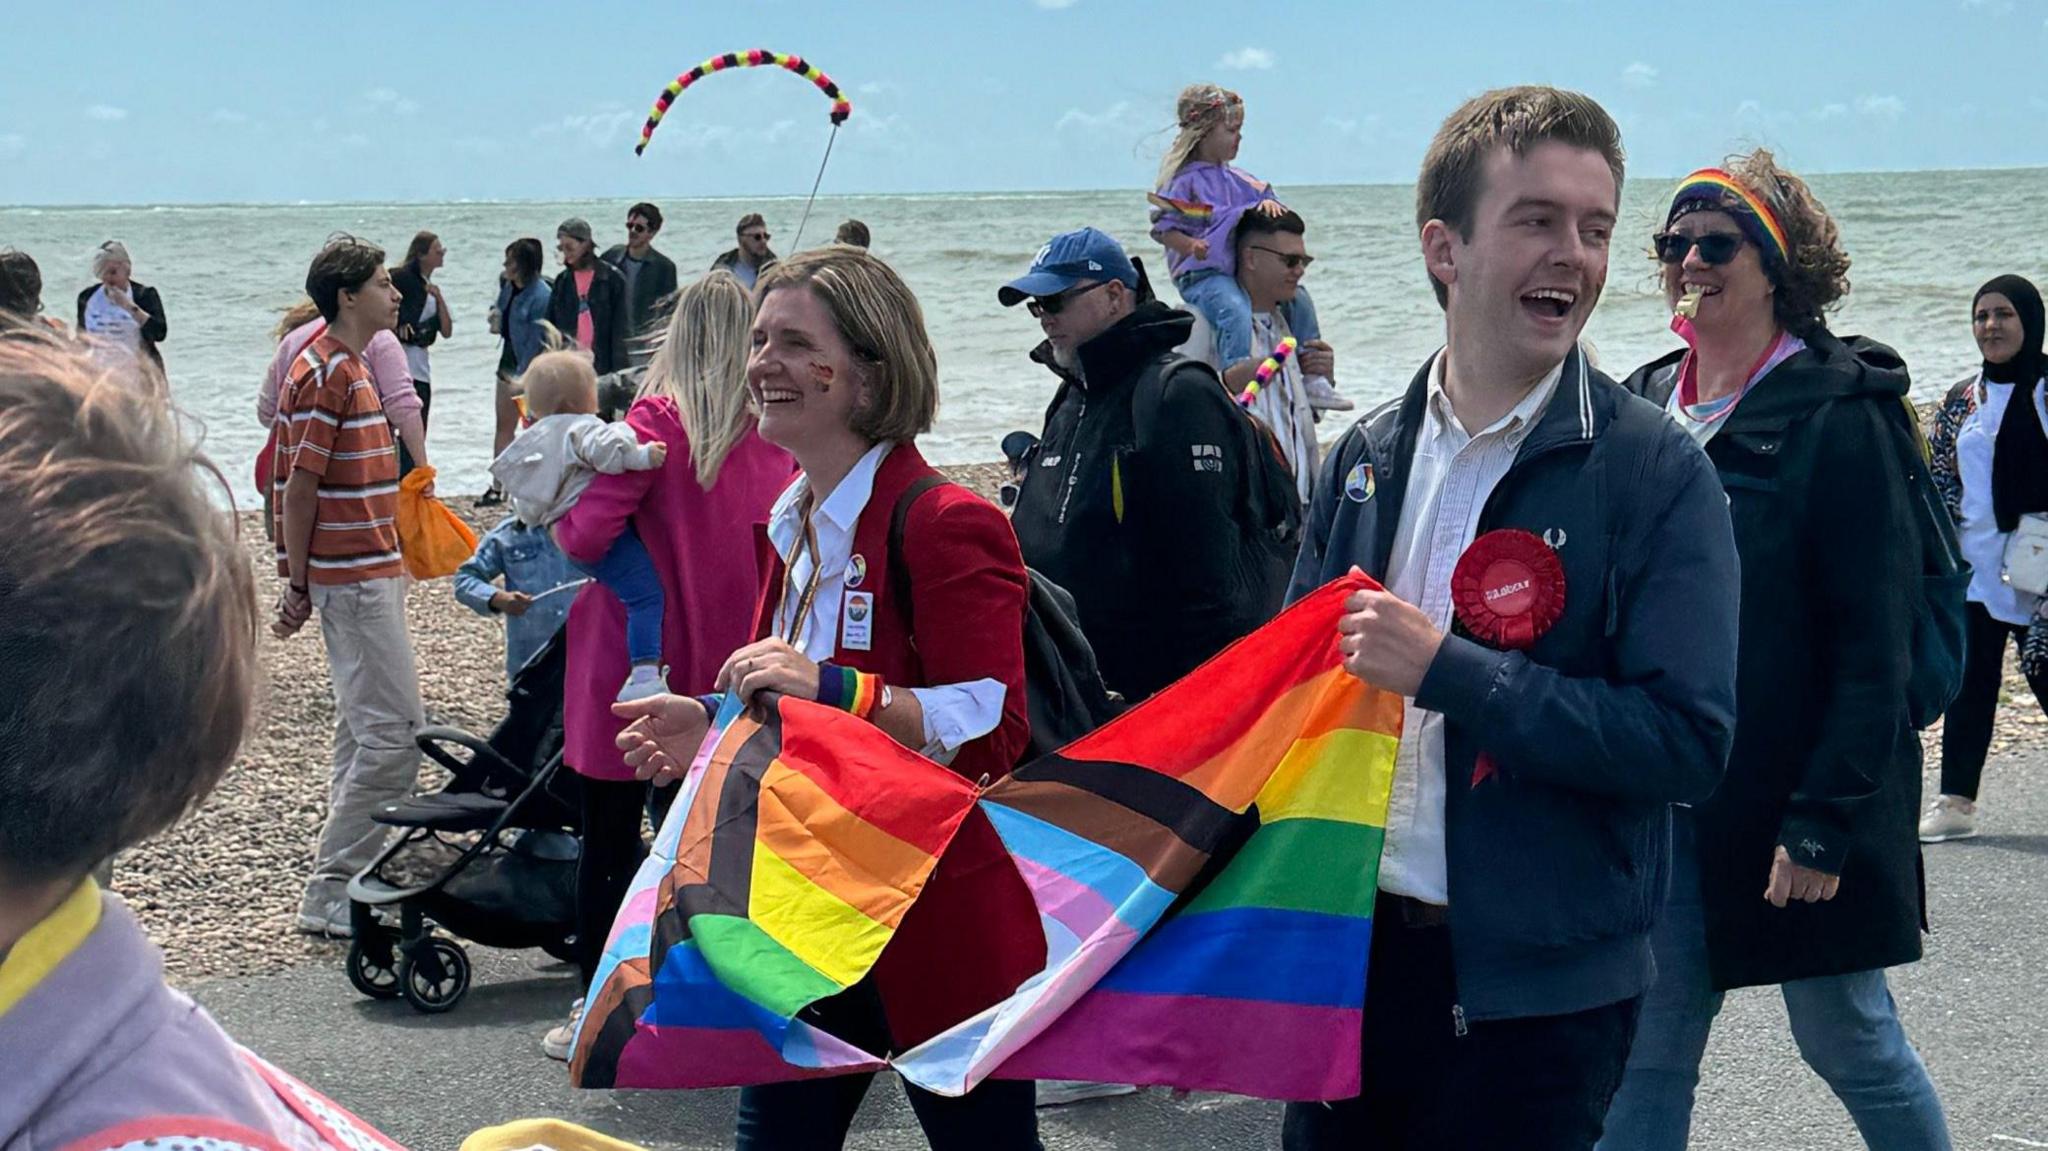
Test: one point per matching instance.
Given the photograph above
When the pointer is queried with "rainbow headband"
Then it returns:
(1715, 189)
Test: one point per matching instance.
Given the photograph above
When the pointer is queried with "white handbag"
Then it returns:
(2026, 555)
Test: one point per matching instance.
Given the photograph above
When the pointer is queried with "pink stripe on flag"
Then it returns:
(1078, 906)
(1276, 1050)
(671, 1057)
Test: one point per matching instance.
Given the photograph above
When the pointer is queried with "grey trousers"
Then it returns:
(376, 713)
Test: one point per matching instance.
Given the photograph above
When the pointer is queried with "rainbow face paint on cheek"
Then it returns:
(823, 375)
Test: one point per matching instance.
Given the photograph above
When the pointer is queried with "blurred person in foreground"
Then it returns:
(119, 712)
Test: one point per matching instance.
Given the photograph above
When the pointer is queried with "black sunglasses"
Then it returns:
(763, 237)
(636, 229)
(1054, 304)
(1288, 258)
(1716, 248)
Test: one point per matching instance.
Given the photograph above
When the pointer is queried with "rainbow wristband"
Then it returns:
(854, 692)
(1268, 370)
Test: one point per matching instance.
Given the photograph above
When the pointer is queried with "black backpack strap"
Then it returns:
(899, 567)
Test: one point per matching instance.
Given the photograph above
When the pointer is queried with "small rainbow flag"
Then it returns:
(1196, 885)
(1192, 210)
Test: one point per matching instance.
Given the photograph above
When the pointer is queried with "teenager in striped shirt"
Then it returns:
(336, 508)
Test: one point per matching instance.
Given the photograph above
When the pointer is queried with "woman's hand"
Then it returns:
(663, 736)
(769, 665)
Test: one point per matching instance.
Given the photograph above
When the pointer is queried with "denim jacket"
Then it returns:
(531, 563)
(520, 313)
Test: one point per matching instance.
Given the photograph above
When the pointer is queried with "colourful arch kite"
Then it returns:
(756, 58)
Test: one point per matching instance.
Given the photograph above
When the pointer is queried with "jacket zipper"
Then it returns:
(1458, 1020)
(1074, 457)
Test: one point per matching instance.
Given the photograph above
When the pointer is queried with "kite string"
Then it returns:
(798, 245)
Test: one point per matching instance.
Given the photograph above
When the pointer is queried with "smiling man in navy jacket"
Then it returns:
(1561, 614)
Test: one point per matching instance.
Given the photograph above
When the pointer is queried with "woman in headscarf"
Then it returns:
(1991, 464)
(1801, 871)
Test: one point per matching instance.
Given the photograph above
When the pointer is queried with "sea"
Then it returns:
(1920, 245)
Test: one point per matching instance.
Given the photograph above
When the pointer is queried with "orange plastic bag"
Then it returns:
(432, 539)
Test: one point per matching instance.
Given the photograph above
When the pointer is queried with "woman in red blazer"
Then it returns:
(845, 380)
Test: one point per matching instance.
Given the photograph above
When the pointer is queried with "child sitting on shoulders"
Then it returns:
(548, 466)
(537, 578)
(1196, 206)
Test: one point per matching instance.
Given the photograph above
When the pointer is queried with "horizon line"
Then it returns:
(86, 206)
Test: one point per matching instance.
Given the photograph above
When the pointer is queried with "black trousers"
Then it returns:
(815, 1114)
(1539, 1084)
(612, 851)
(1966, 728)
(425, 390)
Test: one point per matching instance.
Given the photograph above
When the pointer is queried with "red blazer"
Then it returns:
(973, 935)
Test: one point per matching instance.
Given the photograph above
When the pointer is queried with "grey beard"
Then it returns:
(1069, 361)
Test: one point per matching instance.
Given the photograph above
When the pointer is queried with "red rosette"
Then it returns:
(1508, 588)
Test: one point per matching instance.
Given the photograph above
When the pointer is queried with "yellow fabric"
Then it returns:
(432, 539)
(48, 944)
(543, 1135)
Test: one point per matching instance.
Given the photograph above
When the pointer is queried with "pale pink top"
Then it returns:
(384, 355)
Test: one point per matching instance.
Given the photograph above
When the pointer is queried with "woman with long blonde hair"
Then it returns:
(696, 517)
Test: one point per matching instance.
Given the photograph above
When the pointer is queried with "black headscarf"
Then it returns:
(2019, 457)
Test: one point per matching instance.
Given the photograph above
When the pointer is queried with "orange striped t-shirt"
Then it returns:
(331, 423)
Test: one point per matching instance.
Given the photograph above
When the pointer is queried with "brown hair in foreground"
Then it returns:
(1518, 119)
(880, 319)
(1817, 277)
(127, 615)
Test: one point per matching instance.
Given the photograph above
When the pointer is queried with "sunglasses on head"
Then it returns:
(1288, 258)
(1716, 248)
(1054, 304)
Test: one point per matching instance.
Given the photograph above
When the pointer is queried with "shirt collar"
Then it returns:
(1518, 423)
(48, 944)
(840, 510)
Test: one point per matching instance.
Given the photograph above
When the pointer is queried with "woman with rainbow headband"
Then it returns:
(1803, 869)
(1196, 204)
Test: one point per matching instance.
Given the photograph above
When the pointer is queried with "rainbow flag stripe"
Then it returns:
(1202, 877)
(1191, 210)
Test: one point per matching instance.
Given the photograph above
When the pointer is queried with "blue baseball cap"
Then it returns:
(1069, 259)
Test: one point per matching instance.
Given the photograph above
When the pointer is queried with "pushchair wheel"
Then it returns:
(434, 977)
(373, 964)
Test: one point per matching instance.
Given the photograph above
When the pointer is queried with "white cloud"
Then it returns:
(1350, 128)
(1639, 75)
(355, 140)
(12, 144)
(876, 87)
(602, 128)
(1749, 108)
(228, 116)
(1055, 5)
(479, 145)
(381, 96)
(388, 98)
(106, 113)
(1106, 119)
(1882, 107)
(1831, 112)
(1246, 60)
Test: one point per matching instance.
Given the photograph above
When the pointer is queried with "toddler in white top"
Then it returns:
(550, 464)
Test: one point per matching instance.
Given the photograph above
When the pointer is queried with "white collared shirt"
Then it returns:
(1977, 534)
(1450, 478)
(954, 714)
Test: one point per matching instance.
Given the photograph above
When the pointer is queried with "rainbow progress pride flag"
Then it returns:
(1201, 872)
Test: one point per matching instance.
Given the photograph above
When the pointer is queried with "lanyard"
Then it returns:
(807, 541)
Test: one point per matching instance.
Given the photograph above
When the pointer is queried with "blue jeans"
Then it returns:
(1223, 303)
(1847, 1028)
(629, 572)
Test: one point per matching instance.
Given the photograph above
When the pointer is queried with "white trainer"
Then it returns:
(557, 1043)
(645, 680)
(1950, 817)
(1323, 395)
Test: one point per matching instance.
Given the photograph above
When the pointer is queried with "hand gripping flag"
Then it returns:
(1183, 897)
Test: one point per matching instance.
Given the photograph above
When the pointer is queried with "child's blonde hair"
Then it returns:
(556, 379)
(701, 366)
(1200, 109)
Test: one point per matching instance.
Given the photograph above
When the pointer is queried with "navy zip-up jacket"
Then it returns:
(1559, 857)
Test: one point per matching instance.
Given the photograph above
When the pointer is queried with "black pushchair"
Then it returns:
(491, 856)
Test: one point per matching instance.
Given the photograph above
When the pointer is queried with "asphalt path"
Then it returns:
(1976, 1006)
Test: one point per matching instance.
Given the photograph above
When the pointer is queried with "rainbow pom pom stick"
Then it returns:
(756, 58)
(1267, 370)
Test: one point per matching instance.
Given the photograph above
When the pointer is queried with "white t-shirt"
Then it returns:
(416, 358)
(114, 326)
(1978, 535)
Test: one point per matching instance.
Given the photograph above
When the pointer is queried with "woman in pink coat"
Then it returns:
(696, 515)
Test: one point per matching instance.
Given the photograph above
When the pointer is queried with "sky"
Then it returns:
(115, 102)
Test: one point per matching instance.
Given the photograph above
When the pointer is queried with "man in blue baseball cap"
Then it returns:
(1151, 496)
